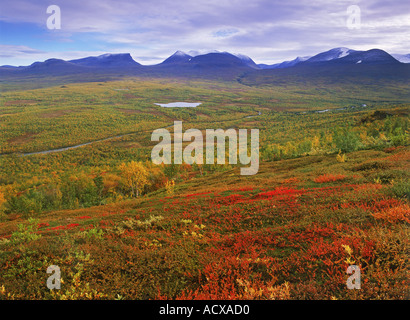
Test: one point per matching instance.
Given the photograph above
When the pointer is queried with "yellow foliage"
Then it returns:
(251, 291)
(383, 137)
(111, 182)
(349, 260)
(169, 186)
(341, 157)
(363, 135)
(2, 199)
(77, 290)
(315, 142)
(135, 176)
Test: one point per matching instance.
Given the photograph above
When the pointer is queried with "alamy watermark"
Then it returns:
(54, 281)
(237, 141)
(353, 17)
(54, 20)
(353, 282)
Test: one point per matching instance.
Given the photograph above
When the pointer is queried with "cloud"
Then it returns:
(225, 33)
(267, 30)
(12, 51)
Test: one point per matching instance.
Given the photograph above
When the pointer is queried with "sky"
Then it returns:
(268, 31)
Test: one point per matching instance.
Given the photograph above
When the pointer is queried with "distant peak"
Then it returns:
(178, 57)
(180, 53)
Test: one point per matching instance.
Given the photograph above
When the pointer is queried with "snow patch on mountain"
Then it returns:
(343, 52)
(242, 57)
(303, 58)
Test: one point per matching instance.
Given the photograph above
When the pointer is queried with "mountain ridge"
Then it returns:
(212, 65)
(107, 60)
(126, 58)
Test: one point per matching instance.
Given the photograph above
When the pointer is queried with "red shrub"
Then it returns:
(329, 178)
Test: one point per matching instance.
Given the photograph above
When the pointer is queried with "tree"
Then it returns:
(346, 140)
(2, 199)
(135, 176)
(169, 186)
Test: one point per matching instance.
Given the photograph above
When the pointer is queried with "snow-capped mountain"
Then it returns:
(107, 60)
(332, 54)
(349, 56)
(177, 57)
(373, 56)
(340, 55)
(210, 57)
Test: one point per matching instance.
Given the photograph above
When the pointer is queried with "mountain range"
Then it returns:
(220, 65)
(341, 56)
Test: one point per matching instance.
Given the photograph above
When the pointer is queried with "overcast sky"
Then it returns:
(268, 31)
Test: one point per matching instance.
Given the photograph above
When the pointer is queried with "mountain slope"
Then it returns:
(52, 67)
(332, 54)
(247, 60)
(284, 64)
(107, 61)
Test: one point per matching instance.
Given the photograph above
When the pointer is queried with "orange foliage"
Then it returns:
(394, 214)
(329, 178)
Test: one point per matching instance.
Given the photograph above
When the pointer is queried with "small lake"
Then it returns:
(178, 105)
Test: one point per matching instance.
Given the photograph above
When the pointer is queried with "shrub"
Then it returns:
(341, 157)
(329, 178)
(170, 186)
(395, 214)
(26, 232)
(400, 189)
(94, 233)
(346, 140)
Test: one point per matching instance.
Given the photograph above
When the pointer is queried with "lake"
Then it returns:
(178, 105)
